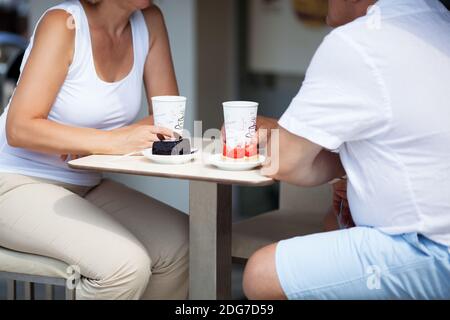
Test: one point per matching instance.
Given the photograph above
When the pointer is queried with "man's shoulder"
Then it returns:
(359, 28)
(363, 33)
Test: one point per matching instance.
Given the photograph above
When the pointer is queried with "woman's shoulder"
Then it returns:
(57, 22)
(154, 19)
(55, 30)
(153, 13)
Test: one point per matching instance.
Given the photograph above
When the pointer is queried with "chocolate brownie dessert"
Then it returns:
(172, 148)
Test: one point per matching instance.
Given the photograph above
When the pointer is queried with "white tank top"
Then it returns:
(84, 101)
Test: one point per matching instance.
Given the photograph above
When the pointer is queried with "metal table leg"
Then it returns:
(210, 241)
(11, 290)
(49, 292)
(28, 290)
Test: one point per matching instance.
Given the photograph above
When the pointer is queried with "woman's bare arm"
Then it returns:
(159, 73)
(45, 72)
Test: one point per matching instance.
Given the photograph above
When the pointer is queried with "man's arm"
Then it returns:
(300, 161)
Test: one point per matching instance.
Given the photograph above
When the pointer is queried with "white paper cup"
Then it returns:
(240, 129)
(169, 112)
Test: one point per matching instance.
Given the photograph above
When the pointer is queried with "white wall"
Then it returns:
(181, 22)
(279, 42)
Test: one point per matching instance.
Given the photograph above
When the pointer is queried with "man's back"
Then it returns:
(379, 90)
(409, 46)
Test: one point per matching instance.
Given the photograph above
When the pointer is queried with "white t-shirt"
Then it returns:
(378, 89)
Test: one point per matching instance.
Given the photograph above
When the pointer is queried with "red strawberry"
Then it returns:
(236, 153)
(251, 150)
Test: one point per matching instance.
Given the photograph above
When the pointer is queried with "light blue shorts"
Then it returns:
(363, 263)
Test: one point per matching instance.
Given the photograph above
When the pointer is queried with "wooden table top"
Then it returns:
(197, 170)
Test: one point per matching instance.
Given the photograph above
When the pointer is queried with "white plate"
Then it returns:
(230, 165)
(170, 159)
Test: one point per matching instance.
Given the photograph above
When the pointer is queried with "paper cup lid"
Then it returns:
(240, 104)
(169, 99)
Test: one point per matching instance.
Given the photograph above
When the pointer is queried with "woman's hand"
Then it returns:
(341, 207)
(130, 139)
(136, 139)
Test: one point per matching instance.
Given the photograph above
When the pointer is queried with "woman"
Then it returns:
(79, 92)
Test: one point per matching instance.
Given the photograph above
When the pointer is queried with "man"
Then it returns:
(378, 91)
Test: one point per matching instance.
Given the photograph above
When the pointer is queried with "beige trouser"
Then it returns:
(125, 244)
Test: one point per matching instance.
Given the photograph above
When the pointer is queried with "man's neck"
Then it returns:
(361, 8)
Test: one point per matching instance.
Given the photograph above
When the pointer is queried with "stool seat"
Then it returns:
(253, 234)
(32, 265)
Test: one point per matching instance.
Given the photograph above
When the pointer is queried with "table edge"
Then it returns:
(269, 182)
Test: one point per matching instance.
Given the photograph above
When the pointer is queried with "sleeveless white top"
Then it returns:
(84, 101)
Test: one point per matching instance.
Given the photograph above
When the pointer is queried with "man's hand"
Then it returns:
(262, 123)
(299, 161)
(267, 124)
(341, 207)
